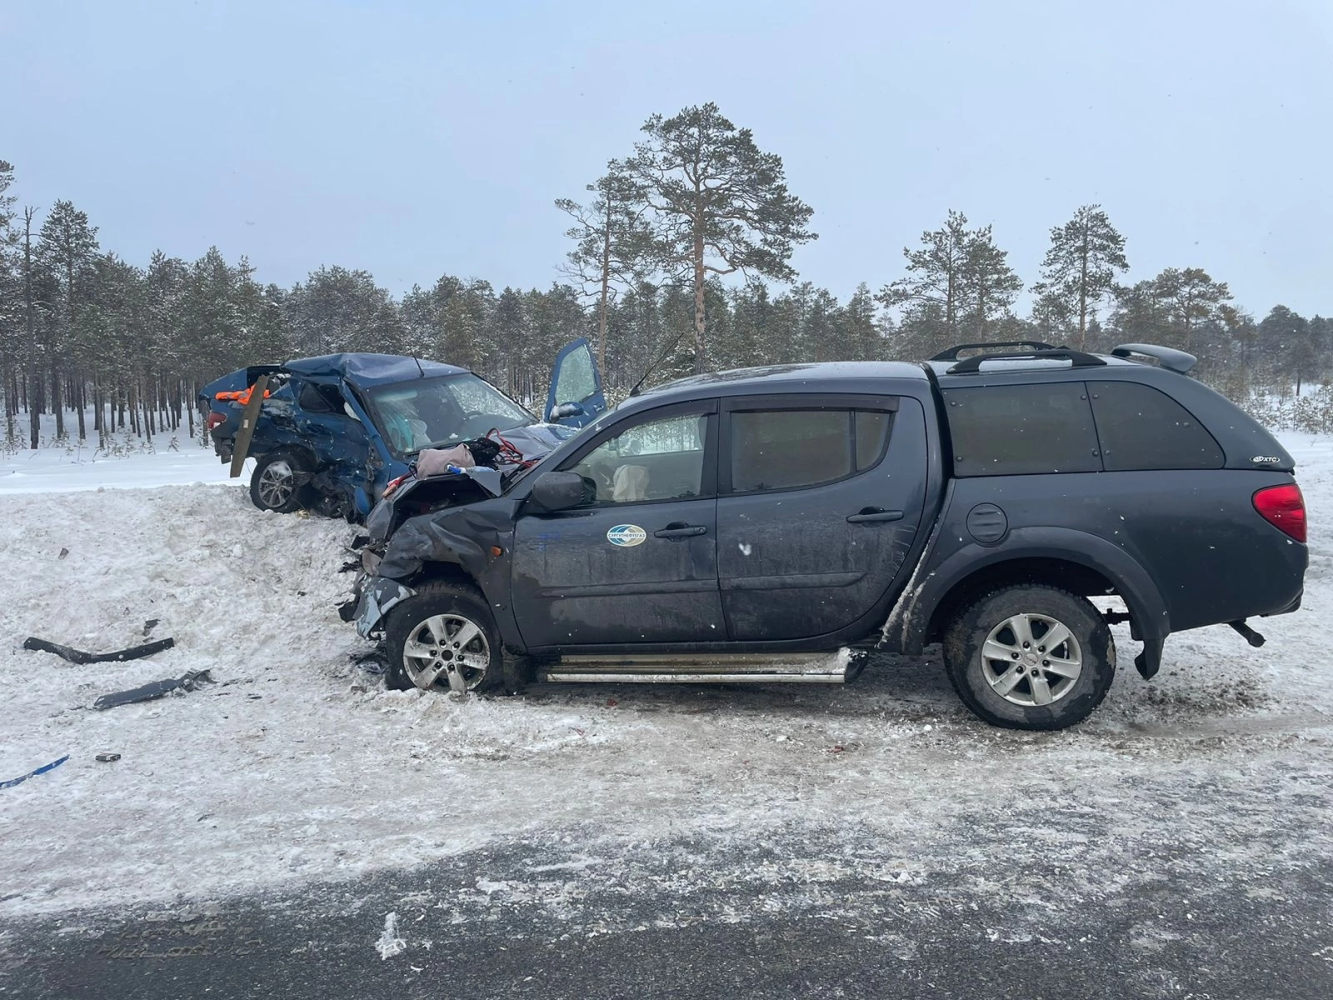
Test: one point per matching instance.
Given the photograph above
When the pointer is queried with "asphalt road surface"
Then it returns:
(547, 919)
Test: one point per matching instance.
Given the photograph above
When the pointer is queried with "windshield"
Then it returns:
(432, 413)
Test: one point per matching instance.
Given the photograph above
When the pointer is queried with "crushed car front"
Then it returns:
(462, 517)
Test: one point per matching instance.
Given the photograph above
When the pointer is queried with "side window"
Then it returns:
(787, 449)
(872, 433)
(1020, 430)
(659, 459)
(320, 398)
(1142, 428)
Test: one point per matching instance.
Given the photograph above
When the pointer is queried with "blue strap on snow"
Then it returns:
(32, 774)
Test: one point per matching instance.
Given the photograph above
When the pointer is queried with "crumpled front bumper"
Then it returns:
(377, 596)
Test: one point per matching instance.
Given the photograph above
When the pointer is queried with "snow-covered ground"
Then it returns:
(297, 764)
(74, 468)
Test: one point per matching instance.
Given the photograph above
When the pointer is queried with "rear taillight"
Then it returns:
(1284, 508)
(216, 419)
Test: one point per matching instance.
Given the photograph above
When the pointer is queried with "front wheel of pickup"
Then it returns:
(1030, 657)
(443, 638)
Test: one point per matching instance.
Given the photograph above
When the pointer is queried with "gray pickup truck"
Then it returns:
(764, 525)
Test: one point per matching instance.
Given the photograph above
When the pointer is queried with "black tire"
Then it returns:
(452, 606)
(1021, 682)
(278, 481)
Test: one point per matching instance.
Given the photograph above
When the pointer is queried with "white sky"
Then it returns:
(416, 138)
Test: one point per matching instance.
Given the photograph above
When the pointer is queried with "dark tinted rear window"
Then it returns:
(783, 449)
(1143, 428)
(872, 429)
(1018, 430)
(787, 449)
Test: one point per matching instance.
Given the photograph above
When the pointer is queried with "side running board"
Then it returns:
(725, 668)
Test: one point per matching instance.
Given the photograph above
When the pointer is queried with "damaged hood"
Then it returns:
(534, 441)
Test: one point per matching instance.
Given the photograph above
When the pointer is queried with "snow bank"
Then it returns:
(297, 764)
(58, 470)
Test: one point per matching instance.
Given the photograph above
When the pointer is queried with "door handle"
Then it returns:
(679, 530)
(874, 514)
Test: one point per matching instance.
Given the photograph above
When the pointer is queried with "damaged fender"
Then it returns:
(378, 596)
(428, 539)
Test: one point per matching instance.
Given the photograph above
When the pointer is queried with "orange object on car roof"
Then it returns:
(240, 397)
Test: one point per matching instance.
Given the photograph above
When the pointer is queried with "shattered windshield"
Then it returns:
(428, 413)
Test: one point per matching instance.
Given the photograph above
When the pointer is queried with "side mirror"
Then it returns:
(558, 491)
(566, 410)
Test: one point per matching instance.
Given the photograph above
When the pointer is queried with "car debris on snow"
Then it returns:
(33, 773)
(154, 690)
(81, 657)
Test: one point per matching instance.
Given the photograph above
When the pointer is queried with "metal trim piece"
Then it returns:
(598, 677)
(736, 668)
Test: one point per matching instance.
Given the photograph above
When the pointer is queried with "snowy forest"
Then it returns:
(680, 259)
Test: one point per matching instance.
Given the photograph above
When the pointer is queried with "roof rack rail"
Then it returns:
(952, 353)
(1078, 359)
(1166, 357)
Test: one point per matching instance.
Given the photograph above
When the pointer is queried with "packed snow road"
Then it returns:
(569, 814)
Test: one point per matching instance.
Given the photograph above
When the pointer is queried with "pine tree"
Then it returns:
(962, 274)
(1080, 268)
(936, 274)
(820, 337)
(510, 333)
(611, 240)
(66, 249)
(1191, 297)
(1141, 314)
(1287, 338)
(720, 205)
(10, 299)
(30, 330)
(989, 283)
(860, 323)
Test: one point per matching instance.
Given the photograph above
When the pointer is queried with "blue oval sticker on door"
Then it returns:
(626, 535)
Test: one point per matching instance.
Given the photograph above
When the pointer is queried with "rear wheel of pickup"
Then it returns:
(1030, 657)
(443, 638)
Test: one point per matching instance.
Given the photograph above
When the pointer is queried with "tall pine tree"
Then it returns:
(1080, 268)
(720, 205)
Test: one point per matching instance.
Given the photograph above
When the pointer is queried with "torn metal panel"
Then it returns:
(429, 539)
(378, 596)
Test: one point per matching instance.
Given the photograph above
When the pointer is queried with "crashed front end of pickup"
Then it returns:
(458, 522)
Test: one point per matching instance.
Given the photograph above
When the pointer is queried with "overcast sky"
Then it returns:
(415, 138)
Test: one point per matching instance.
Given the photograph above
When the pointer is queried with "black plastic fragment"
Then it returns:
(154, 690)
(79, 656)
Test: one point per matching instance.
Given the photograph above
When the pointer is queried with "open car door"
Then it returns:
(575, 397)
